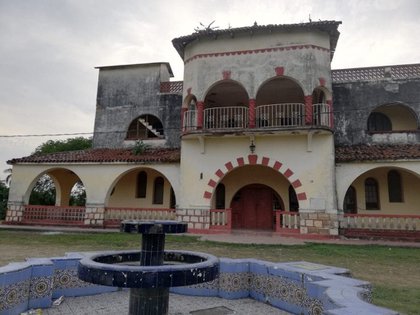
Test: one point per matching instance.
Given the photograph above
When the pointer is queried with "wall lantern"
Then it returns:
(252, 146)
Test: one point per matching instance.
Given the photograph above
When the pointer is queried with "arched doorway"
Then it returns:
(252, 207)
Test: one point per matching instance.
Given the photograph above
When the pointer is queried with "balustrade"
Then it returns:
(226, 117)
(380, 222)
(280, 115)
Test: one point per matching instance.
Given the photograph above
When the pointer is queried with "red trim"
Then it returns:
(308, 110)
(277, 165)
(252, 113)
(219, 173)
(412, 216)
(265, 161)
(207, 195)
(241, 161)
(255, 51)
(301, 196)
(226, 74)
(252, 158)
(288, 173)
(296, 183)
(212, 183)
(229, 166)
(279, 71)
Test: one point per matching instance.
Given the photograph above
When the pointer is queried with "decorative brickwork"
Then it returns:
(197, 219)
(320, 223)
(254, 159)
(14, 213)
(94, 215)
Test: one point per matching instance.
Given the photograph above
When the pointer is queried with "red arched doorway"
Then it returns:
(252, 207)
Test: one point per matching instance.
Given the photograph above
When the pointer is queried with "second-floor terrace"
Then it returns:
(280, 104)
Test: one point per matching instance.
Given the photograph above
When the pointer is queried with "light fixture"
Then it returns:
(252, 146)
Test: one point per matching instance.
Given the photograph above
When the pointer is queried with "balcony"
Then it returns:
(272, 116)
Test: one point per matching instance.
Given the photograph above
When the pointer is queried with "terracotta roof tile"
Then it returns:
(163, 155)
(377, 152)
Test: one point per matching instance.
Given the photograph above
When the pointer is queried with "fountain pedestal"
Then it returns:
(149, 273)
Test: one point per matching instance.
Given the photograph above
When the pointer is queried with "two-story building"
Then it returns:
(261, 135)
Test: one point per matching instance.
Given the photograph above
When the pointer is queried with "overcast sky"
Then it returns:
(49, 48)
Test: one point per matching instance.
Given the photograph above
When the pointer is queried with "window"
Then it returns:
(394, 186)
(371, 194)
(145, 127)
(141, 185)
(350, 201)
(293, 201)
(220, 196)
(172, 202)
(379, 122)
(158, 191)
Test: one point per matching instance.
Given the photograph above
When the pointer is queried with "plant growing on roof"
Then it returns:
(139, 147)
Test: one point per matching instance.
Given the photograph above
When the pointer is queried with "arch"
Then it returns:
(281, 89)
(226, 93)
(401, 117)
(152, 173)
(64, 181)
(145, 127)
(189, 99)
(379, 122)
(253, 205)
(350, 201)
(254, 159)
(321, 94)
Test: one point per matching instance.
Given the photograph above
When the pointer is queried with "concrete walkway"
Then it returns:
(117, 303)
(242, 237)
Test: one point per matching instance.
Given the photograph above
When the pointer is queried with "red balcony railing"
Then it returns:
(53, 215)
(221, 219)
(288, 115)
(286, 221)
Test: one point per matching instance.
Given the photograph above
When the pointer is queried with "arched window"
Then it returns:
(145, 127)
(394, 186)
(371, 194)
(379, 122)
(293, 201)
(350, 201)
(141, 188)
(158, 191)
(220, 196)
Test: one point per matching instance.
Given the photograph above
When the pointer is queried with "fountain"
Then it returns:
(149, 273)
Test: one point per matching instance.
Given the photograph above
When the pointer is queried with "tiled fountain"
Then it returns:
(149, 273)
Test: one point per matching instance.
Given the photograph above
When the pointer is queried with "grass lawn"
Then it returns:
(393, 271)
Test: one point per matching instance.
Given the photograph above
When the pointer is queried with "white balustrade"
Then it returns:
(226, 117)
(280, 115)
(190, 120)
(321, 115)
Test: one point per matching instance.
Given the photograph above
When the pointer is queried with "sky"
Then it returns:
(49, 48)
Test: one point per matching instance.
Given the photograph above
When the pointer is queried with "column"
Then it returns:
(308, 110)
(251, 113)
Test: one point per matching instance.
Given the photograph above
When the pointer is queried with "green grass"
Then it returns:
(393, 271)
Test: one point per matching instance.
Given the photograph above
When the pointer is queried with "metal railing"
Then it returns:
(280, 115)
(380, 222)
(190, 121)
(53, 214)
(321, 115)
(221, 219)
(226, 117)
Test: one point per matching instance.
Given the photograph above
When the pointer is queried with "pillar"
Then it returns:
(308, 110)
(200, 115)
(251, 113)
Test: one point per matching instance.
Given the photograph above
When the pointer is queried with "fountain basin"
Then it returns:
(181, 268)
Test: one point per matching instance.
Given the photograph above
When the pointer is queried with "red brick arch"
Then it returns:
(253, 159)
